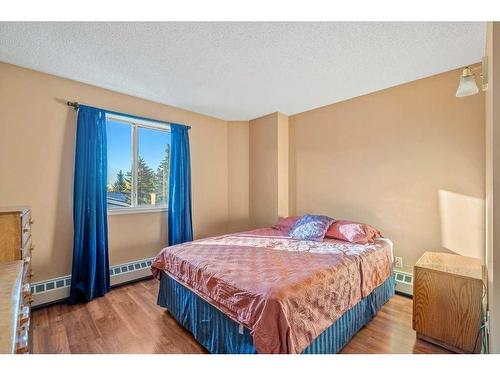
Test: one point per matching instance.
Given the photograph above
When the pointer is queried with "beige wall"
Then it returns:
(283, 151)
(238, 176)
(383, 158)
(269, 169)
(493, 181)
(264, 170)
(37, 133)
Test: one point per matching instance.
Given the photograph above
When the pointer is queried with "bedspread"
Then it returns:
(286, 291)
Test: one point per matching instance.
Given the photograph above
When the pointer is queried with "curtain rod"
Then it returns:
(76, 105)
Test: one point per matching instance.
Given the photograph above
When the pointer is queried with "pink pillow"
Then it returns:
(352, 231)
(284, 224)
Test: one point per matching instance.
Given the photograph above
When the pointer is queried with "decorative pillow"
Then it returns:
(352, 232)
(284, 224)
(311, 227)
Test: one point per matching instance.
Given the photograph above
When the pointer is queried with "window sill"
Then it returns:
(128, 211)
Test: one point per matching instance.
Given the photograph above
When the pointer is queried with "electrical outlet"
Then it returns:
(398, 262)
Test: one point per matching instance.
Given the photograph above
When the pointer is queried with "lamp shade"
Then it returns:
(467, 85)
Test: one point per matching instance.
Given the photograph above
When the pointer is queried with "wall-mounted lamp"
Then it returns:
(467, 85)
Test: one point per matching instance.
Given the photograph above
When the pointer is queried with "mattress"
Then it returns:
(285, 291)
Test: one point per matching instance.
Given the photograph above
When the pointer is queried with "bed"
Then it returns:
(264, 292)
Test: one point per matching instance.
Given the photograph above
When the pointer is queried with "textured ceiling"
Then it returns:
(240, 71)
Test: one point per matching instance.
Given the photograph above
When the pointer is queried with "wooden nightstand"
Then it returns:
(447, 301)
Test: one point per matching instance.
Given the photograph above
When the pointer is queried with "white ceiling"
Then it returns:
(240, 71)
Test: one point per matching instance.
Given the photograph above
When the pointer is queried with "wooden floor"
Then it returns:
(127, 320)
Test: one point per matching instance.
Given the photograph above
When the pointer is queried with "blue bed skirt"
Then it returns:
(221, 335)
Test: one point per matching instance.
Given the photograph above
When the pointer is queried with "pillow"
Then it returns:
(352, 231)
(284, 224)
(311, 227)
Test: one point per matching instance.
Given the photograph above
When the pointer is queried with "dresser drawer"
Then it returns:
(23, 329)
(25, 233)
(26, 219)
(27, 274)
(22, 341)
(27, 249)
(24, 316)
(15, 276)
(27, 298)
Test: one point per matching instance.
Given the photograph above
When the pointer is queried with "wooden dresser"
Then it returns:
(448, 293)
(15, 275)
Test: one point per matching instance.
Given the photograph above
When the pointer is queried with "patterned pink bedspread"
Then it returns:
(286, 291)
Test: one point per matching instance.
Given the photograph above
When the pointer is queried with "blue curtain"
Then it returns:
(180, 227)
(90, 274)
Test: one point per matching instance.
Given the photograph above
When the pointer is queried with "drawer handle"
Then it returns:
(21, 350)
(24, 329)
(24, 320)
(24, 315)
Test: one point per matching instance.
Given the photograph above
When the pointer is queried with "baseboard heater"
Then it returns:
(404, 280)
(49, 291)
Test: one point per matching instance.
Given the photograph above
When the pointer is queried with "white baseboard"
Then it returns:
(48, 291)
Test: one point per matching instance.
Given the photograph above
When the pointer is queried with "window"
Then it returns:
(138, 164)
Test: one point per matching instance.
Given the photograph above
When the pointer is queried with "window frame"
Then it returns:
(135, 124)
